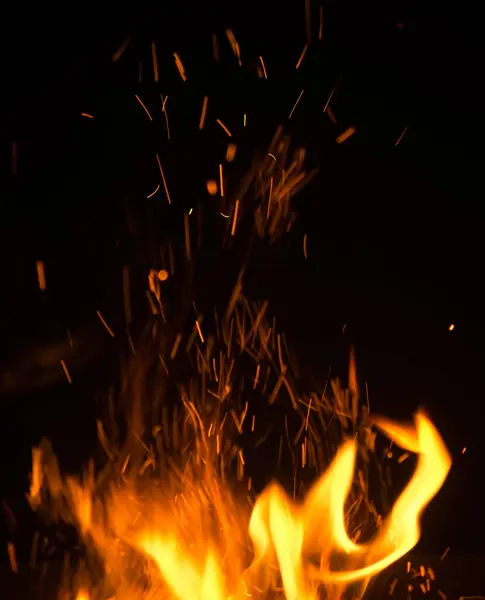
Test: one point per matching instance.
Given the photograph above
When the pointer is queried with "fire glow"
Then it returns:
(189, 537)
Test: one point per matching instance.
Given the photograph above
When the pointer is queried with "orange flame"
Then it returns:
(195, 542)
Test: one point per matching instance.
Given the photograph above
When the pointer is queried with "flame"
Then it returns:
(193, 544)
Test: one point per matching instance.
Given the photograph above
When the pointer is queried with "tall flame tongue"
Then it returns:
(194, 542)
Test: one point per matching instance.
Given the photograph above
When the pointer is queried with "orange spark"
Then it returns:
(117, 55)
(264, 68)
(304, 246)
(224, 127)
(66, 371)
(221, 181)
(144, 107)
(234, 45)
(155, 62)
(12, 557)
(187, 235)
(163, 179)
(162, 275)
(231, 152)
(212, 187)
(108, 328)
(154, 191)
(234, 221)
(87, 115)
(345, 135)
(203, 113)
(302, 56)
(180, 66)
(295, 105)
(320, 26)
(41, 274)
(451, 327)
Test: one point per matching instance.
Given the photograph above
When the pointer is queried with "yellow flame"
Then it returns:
(194, 542)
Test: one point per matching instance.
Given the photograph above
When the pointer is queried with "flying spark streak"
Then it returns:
(66, 372)
(445, 553)
(264, 68)
(12, 557)
(221, 181)
(296, 103)
(103, 321)
(155, 62)
(234, 221)
(41, 275)
(187, 235)
(164, 110)
(144, 107)
(244, 120)
(224, 127)
(199, 330)
(119, 53)
(215, 48)
(87, 115)
(304, 246)
(302, 56)
(451, 327)
(400, 137)
(163, 179)
(154, 192)
(345, 135)
(320, 25)
(203, 113)
(234, 45)
(225, 216)
(180, 66)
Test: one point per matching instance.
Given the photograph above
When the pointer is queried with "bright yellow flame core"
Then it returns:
(195, 543)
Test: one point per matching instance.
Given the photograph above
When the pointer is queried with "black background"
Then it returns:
(394, 232)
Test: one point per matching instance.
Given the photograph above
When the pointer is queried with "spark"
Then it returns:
(154, 192)
(451, 327)
(144, 107)
(225, 216)
(203, 113)
(221, 181)
(264, 68)
(401, 136)
(224, 127)
(295, 105)
(175, 346)
(244, 120)
(211, 187)
(199, 330)
(302, 56)
(331, 95)
(403, 457)
(155, 62)
(445, 553)
(163, 179)
(41, 275)
(234, 221)
(308, 21)
(66, 371)
(392, 587)
(103, 321)
(320, 26)
(187, 235)
(87, 115)
(164, 110)
(345, 135)
(12, 557)
(234, 45)
(162, 275)
(231, 152)
(118, 54)
(180, 66)
(304, 246)
(14, 159)
(463, 450)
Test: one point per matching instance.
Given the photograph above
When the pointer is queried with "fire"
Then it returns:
(188, 536)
